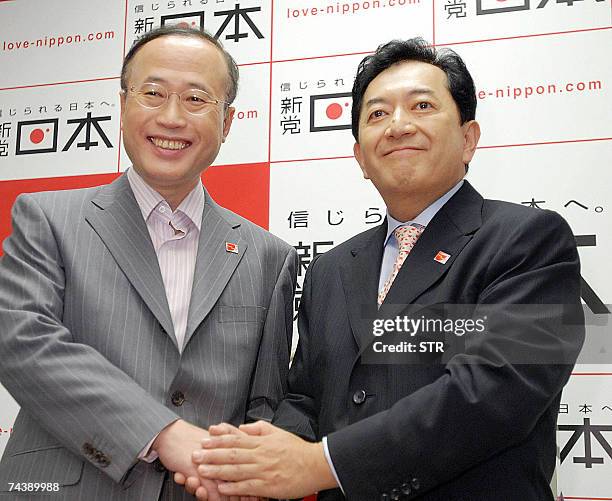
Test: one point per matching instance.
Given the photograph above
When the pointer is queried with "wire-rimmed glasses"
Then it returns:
(194, 101)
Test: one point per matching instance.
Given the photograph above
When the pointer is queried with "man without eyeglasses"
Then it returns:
(137, 314)
(473, 425)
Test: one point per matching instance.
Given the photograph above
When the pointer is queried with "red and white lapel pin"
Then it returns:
(441, 257)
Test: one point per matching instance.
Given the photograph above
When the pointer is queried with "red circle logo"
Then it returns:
(333, 111)
(37, 135)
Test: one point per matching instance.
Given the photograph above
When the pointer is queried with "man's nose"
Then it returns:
(401, 123)
(172, 114)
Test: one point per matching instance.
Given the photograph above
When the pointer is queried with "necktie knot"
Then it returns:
(407, 236)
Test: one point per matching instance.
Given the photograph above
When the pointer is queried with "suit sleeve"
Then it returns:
(298, 411)
(88, 404)
(487, 399)
(269, 382)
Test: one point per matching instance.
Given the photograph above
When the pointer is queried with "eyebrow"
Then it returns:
(192, 85)
(412, 92)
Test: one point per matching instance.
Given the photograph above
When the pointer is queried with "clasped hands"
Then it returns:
(256, 460)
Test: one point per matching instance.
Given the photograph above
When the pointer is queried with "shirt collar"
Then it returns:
(148, 199)
(425, 216)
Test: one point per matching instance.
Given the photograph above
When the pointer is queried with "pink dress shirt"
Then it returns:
(175, 237)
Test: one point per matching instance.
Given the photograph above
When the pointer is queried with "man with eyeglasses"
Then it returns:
(137, 314)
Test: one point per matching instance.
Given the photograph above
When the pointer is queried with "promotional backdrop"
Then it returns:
(544, 84)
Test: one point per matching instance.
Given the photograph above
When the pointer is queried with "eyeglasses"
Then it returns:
(194, 101)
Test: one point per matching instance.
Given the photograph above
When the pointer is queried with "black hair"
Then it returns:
(460, 83)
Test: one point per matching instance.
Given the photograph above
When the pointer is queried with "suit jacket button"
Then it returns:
(359, 397)
(178, 398)
(103, 460)
(395, 495)
(88, 449)
(406, 489)
(416, 483)
(158, 466)
(384, 497)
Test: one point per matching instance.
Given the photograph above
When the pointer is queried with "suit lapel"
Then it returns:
(214, 264)
(117, 219)
(359, 273)
(449, 231)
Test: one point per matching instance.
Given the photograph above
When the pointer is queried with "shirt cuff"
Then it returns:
(330, 463)
(147, 454)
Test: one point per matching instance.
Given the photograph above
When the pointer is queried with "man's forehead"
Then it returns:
(175, 53)
(411, 77)
(177, 48)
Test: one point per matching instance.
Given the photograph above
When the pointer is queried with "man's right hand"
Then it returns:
(174, 445)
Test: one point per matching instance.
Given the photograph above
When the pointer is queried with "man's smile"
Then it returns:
(169, 144)
(403, 150)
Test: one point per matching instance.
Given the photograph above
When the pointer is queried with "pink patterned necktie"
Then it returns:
(406, 237)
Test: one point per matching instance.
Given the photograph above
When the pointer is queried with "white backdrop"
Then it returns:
(544, 82)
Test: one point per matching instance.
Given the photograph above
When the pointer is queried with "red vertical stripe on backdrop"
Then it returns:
(270, 81)
(119, 142)
(433, 21)
(245, 189)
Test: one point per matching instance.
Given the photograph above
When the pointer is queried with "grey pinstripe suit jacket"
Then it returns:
(87, 344)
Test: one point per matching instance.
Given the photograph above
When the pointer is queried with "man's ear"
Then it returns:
(360, 160)
(122, 96)
(227, 121)
(471, 135)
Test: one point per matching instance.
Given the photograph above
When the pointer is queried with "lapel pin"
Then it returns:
(442, 257)
(231, 247)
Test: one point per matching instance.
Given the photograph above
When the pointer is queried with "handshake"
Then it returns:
(254, 461)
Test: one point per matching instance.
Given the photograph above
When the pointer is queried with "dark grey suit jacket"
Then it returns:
(88, 348)
(477, 427)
